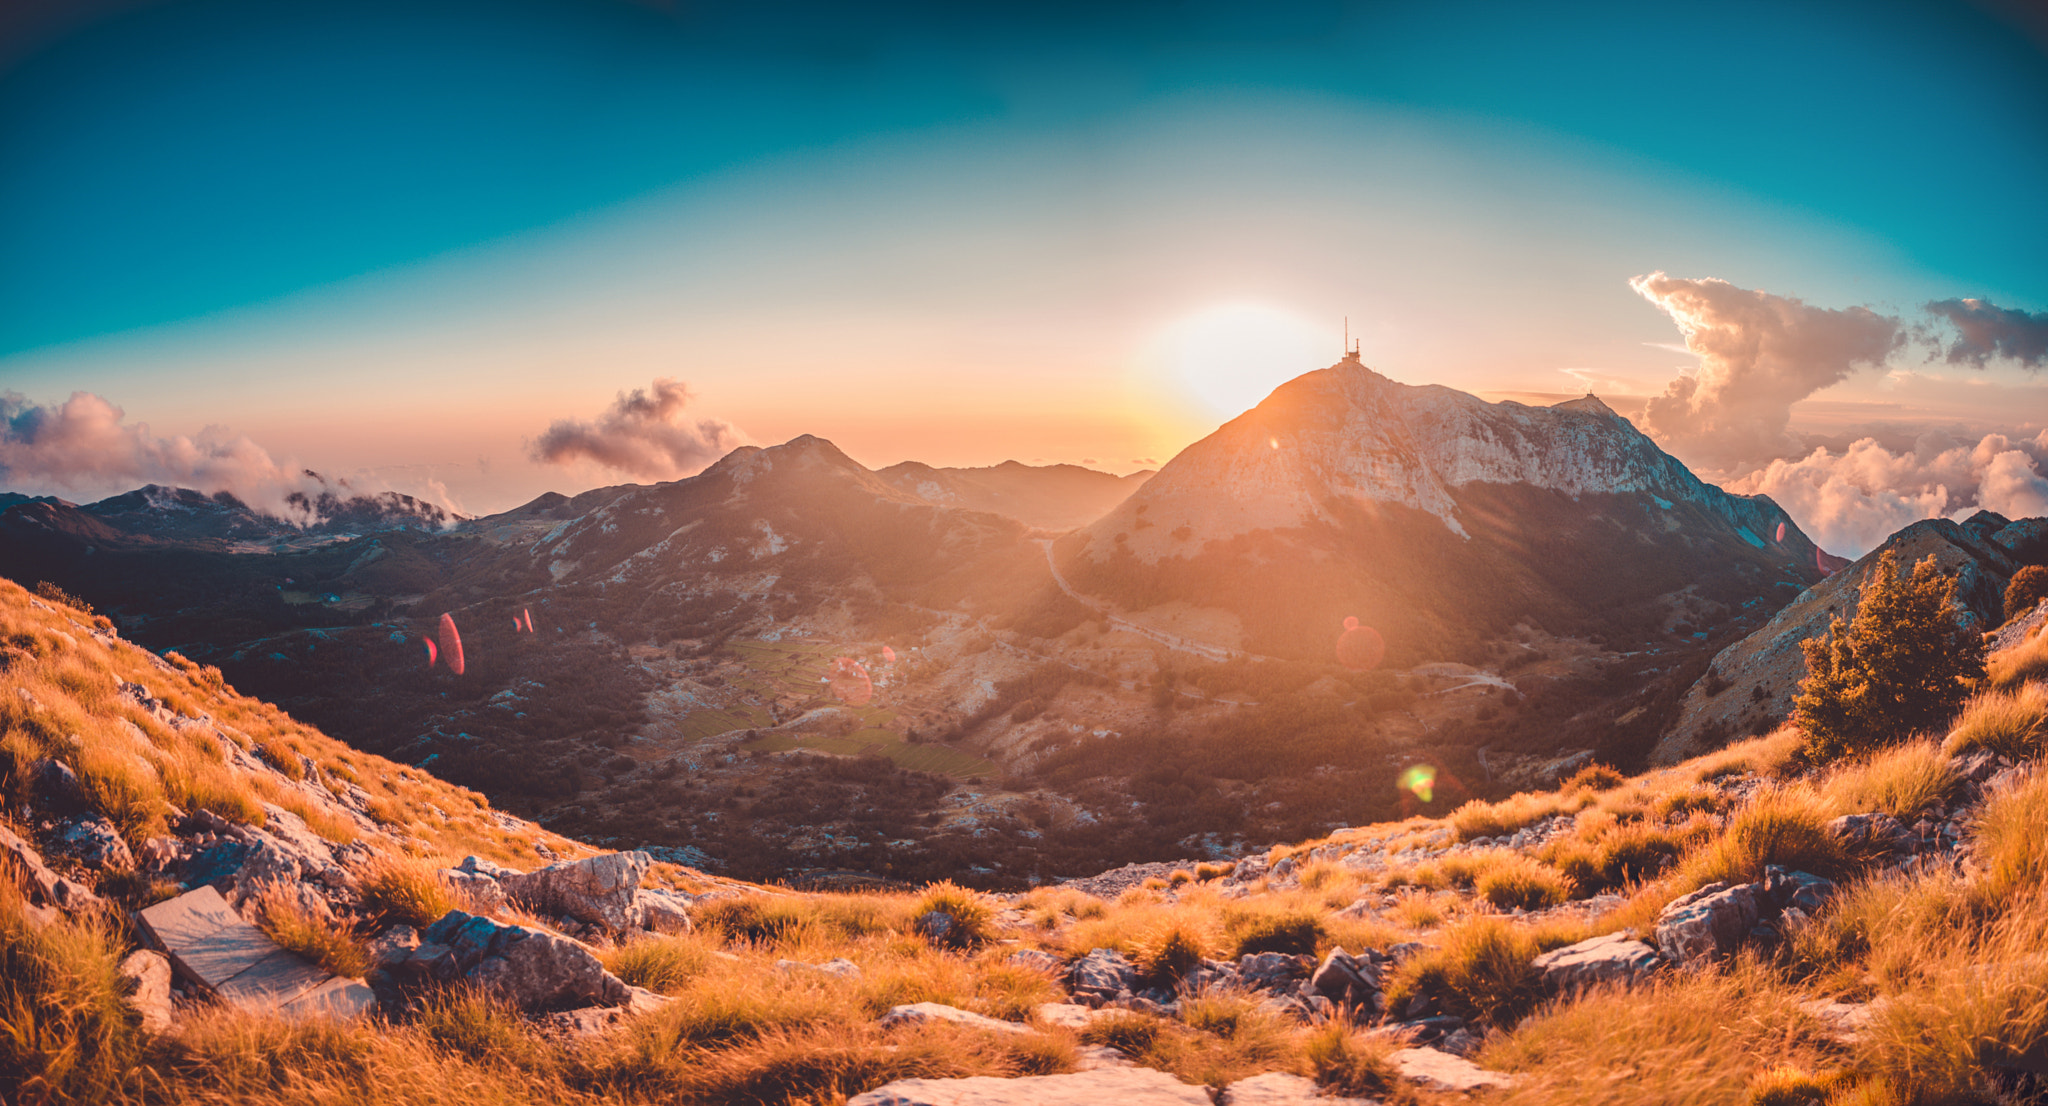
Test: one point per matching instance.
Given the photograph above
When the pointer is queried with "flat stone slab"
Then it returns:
(1064, 1015)
(1278, 1088)
(1121, 1086)
(210, 944)
(1440, 1071)
(913, 1013)
(1609, 958)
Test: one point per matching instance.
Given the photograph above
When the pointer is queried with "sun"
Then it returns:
(1229, 357)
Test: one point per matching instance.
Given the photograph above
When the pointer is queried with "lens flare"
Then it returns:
(451, 643)
(529, 620)
(1420, 779)
(1781, 533)
(432, 653)
(850, 682)
(888, 655)
(1360, 648)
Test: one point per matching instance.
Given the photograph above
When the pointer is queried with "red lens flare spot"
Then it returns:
(1781, 533)
(529, 620)
(451, 643)
(850, 682)
(432, 653)
(1360, 647)
(888, 655)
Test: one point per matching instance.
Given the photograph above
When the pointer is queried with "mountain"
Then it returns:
(1749, 687)
(1049, 497)
(1440, 519)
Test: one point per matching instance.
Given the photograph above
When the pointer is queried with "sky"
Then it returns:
(480, 250)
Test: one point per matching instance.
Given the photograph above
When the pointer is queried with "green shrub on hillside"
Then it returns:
(1898, 669)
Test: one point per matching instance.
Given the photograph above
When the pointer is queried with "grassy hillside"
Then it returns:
(1937, 948)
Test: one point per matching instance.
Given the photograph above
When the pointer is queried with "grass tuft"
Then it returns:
(2009, 723)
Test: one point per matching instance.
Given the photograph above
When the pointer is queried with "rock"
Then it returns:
(1803, 891)
(1037, 960)
(1347, 979)
(1102, 974)
(837, 966)
(1271, 971)
(149, 988)
(935, 926)
(476, 865)
(1609, 958)
(599, 890)
(47, 892)
(393, 946)
(662, 912)
(1440, 1071)
(1064, 1015)
(1119, 1085)
(530, 968)
(1461, 1042)
(1091, 1057)
(212, 946)
(1711, 921)
(1845, 1021)
(1278, 1088)
(53, 782)
(919, 1012)
(1875, 832)
(484, 894)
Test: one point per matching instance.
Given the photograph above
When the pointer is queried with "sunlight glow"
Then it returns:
(1228, 358)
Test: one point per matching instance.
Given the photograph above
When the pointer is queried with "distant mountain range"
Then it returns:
(1125, 666)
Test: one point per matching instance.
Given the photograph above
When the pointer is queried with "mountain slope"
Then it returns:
(1440, 519)
(1750, 685)
(1049, 497)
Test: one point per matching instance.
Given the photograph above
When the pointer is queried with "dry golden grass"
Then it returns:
(1483, 819)
(2012, 836)
(406, 891)
(1482, 968)
(1352, 1065)
(2010, 723)
(1901, 781)
(323, 940)
(2008, 668)
(1699, 1037)
(1522, 884)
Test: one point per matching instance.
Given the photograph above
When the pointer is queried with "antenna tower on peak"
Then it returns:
(1350, 347)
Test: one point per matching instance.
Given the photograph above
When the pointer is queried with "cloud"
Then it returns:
(86, 444)
(1849, 502)
(642, 434)
(1985, 330)
(1759, 354)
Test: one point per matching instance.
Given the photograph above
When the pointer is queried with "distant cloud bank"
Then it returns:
(643, 434)
(1761, 353)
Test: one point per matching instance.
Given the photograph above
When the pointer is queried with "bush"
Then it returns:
(1779, 825)
(973, 921)
(1901, 782)
(1522, 884)
(1483, 969)
(1595, 777)
(2029, 586)
(1351, 1066)
(2011, 724)
(1900, 667)
(1294, 932)
(402, 891)
(1169, 953)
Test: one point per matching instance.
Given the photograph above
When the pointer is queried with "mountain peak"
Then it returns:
(1588, 403)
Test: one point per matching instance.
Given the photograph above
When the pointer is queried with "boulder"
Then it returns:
(1120, 1085)
(1102, 974)
(599, 890)
(1609, 958)
(1794, 890)
(1037, 960)
(1875, 832)
(46, 891)
(531, 968)
(1435, 1070)
(1272, 971)
(662, 912)
(919, 1012)
(482, 892)
(1278, 1088)
(1064, 1015)
(837, 966)
(149, 988)
(935, 926)
(56, 784)
(1712, 921)
(1353, 980)
(393, 946)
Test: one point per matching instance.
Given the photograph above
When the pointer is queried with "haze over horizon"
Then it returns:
(475, 252)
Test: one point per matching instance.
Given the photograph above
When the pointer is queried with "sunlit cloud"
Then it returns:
(642, 434)
(1985, 331)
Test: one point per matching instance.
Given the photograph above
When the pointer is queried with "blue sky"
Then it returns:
(349, 229)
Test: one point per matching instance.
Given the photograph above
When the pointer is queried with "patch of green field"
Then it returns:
(700, 724)
(883, 743)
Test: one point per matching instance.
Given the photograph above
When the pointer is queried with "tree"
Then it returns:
(1900, 667)
(2029, 586)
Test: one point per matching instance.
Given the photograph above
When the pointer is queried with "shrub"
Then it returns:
(1522, 884)
(972, 919)
(2028, 587)
(1172, 951)
(762, 919)
(1595, 777)
(1901, 666)
(1483, 969)
(1779, 825)
(2011, 724)
(1900, 781)
(1214, 869)
(663, 964)
(1352, 1066)
(403, 891)
(1294, 932)
(318, 938)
